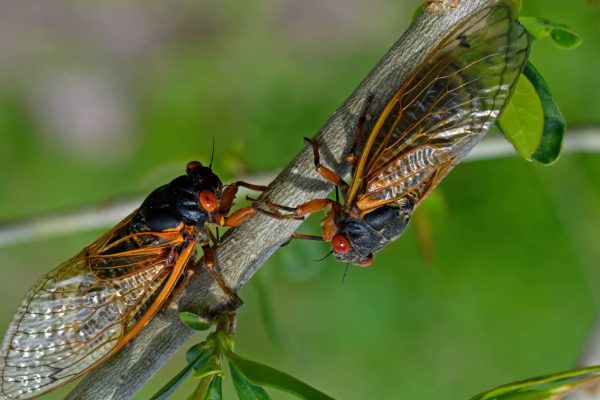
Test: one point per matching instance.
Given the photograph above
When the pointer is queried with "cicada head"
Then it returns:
(203, 177)
(206, 184)
(357, 239)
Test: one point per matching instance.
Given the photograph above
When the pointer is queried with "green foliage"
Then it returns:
(194, 321)
(561, 35)
(268, 376)
(555, 386)
(532, 120)
(196, 357)
(522, 121)
(214, 391)
(244, 388)
(205, 359)
(555, 124)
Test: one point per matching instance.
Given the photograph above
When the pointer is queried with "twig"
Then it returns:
(578, 140)
(244, 249)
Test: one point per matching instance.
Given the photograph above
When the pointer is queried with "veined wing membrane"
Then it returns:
(443, 110)
(88, 307)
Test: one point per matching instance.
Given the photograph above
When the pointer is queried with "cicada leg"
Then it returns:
(230, 191)
(327, 173)
(298, 212)
(359, 129)
(302, 236)
(209, 263)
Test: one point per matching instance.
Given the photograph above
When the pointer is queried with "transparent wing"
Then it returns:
(443, 110)
(87, 308)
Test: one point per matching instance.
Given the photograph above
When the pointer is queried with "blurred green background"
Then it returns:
(103, 101)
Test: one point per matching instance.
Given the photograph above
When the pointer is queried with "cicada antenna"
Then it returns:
(326, 255)
(212, 153)
(345, 272)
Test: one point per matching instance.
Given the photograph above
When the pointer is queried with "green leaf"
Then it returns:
(554, 122)
(544, 387)
(194, 321)
(198, 349)
(562, 36)
(199, 358)
(245, 389)
(210, 367)
(263, 375)
(522, 121)
(215, 391)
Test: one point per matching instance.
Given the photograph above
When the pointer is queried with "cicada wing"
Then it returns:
(443, 109)
(87, 308)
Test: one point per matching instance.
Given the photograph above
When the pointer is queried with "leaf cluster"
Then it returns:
(205, 362)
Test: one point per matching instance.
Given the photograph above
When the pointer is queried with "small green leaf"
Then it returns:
(565, 38)
(215, 391)
(562, 36)
(522, 121)
(544, 387)
(263, 375)
(210, 367)
(554, 121)
(199, 358)
(245, 389)
(196, 350)
(194, 321)
(418, 12)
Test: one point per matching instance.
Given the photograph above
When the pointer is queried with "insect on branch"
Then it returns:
(244, 249)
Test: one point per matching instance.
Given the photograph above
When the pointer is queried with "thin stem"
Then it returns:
(578, 140)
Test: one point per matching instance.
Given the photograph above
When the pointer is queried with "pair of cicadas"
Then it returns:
(86, 309)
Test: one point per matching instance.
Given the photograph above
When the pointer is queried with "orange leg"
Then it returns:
(228, 194)
(302, 236)
(239, 216)
(326, 173)
(298, 212)
(352, 157)
(306, 236)
(209, 264)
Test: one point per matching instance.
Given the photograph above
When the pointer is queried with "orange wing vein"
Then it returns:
(442, 111)
(88, 307)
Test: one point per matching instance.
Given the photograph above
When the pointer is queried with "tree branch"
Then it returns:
(245, 249)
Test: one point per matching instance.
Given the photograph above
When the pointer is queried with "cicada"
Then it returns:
(425, 129)
(86, 309)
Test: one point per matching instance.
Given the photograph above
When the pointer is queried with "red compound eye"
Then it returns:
(340, 244)
(208, 200)
(366, 263)
(193, 165)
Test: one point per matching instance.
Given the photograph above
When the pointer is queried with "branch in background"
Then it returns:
(244, 249)
(578, 140)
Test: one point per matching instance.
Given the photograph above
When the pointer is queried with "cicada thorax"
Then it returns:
(179, 202)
